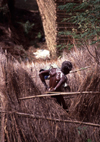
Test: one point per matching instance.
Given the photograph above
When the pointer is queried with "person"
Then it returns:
(56, 80)
(65, 86)
(47, 77)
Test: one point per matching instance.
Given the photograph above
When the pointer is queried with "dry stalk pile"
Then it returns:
(87, 107)
(42, 119)
(25, 128)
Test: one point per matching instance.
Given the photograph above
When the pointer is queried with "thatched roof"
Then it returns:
(18, 126)
(87, 108)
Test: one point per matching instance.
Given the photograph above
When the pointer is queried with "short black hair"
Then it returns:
(67, 65)
(41, 70)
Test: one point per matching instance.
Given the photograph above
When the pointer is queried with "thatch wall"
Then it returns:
(2, 95)
(26, 120)
(82, 107)
(42, 119)
(2, 108)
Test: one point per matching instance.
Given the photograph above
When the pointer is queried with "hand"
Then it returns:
(51, 90)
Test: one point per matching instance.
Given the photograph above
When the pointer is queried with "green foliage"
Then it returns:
(81, 131)
(27, 26)
(61, 46)
(39, 35)
(4, 10)
(86, 16)
(68, 7)
(89, 140)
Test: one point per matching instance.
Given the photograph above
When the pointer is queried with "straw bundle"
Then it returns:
(25, 120)
(42, 119)
(85, 107)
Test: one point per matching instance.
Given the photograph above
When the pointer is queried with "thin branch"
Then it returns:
(57, 120)
(90, 52)
(81, 69)
(49, 94)
(97, 58)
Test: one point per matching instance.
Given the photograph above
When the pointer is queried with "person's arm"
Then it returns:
(42, 75)
(62, 81)
(59, 84)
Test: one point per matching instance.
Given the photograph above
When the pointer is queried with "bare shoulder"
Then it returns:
(63, 76)
(53, 71)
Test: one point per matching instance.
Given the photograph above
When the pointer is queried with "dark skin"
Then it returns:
(57, 79)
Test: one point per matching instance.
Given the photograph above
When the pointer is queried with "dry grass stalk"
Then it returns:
(83, 108)
(49, 94)
(57, 120)
(18, 83)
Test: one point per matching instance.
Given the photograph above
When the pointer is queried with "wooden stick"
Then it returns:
(48, 94)
(58, 120)
(81, 69)
(73, 93)
(50, 119)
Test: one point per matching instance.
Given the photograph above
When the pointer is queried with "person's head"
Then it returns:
(66, 67)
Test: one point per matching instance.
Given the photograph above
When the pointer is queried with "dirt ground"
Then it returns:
(22, 34)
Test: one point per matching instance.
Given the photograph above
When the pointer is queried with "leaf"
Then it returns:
(68, 7)
(88, 21)
(79, 132)
(95, 41)
(89, 140)
(84, 34)
(70, 46)
(39, 35)
(83, 5)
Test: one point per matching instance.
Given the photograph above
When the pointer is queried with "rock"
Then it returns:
(42, 54)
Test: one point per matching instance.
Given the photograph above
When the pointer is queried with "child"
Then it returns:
(57, 80)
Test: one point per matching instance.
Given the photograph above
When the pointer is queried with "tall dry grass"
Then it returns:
(80, 59)
(42, 119)
(86, 79)
(83, 80)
